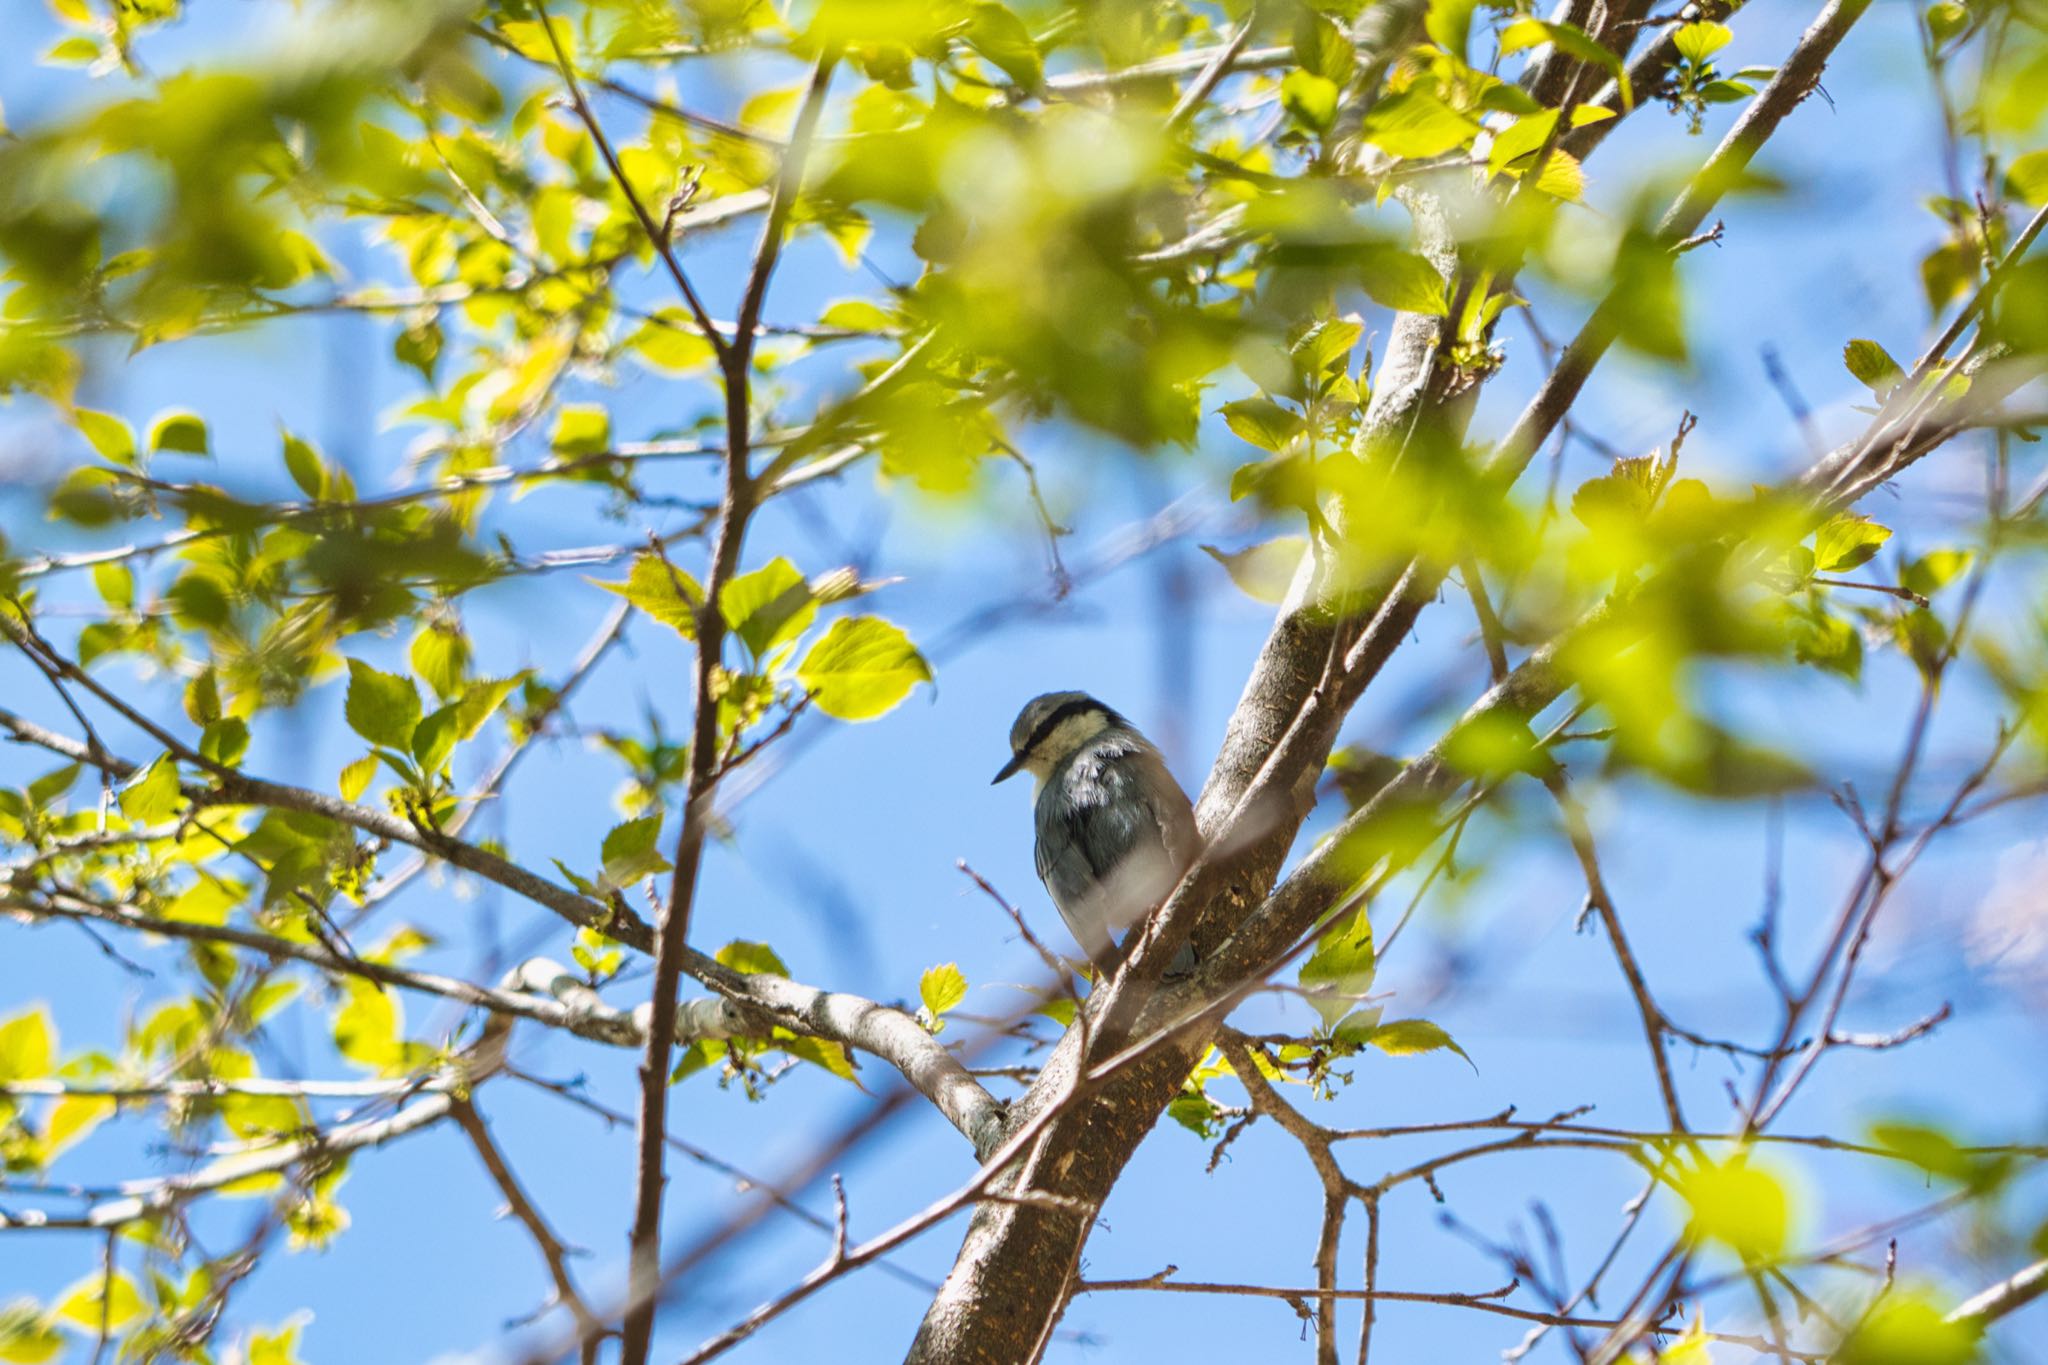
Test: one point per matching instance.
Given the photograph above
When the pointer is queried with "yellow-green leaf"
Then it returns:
(180, 433)
(152, 795)
(1262, 571)
(863, 668)
(28, 1044)
(82, 1304)
(1846, 541)
(663, 591)
(941, 988)
(381, 707)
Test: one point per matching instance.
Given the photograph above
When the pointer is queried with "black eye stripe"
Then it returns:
(1064, 711)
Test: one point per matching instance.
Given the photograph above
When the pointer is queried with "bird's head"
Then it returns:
(1051, 727)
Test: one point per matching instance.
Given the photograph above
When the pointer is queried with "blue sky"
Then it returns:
(844, 860)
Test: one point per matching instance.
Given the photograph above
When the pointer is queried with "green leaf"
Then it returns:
(1568, 38)
(1356, 1028)
(1846, 541)
(582, 429)
(26, 1336)
(1872, 364)
(2027, 178)
(152, 796)
(95, 1299)
(1736, 1204)
(1261, 422)
(1325, 346)
(1726, 92)
(632, 851)
(1265, 571)
(303, 463)
(1526, 136)
(274, 1348)
(28, 1046)
(1449, 25)
(671, 343)
(749, 958)
(1830, 643)
(381, 707)
(225, 741)
(366, 1028)
(1310, 98)
(440, 655)
(1698, 41)
(1321, 47)
(1001, 37)
(834, 1057)
(1932, 572)
(480, 701)
(355, 778)
(109, 435)
(53, 784)
(180, 433)
(116, 585)
(1946, 19)
(1405, 1037)
(663, 591)
(941, 988)
(1905, 1329)
(1403, 281)
(433, 739)
(768, 607)
(1414, 123)
(863, 668)
(1340, 969)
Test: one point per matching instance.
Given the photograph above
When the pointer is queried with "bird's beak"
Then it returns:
(1009, 769)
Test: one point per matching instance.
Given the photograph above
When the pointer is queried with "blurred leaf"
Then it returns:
(1846, 541)
(152, 796)
(1872, 364)
(582, 430)
(225, 741)
(663, 591)
(1414, 123)
(1403, 281)
(381, 707)
(1261, 422)
(26, 1336)
(1738, 1205)
(1903, 1328)
(752, 959)
(1000, 36)
(1935, 570)
(1321, 47)
(109, 435)
(1310, 98)
(28, 1046)
(355, 777)
(1340, 969)
(2026, 179)
(768, 607)
(632, 851)
(96, 1299)
(1265, 571)
(182, 433)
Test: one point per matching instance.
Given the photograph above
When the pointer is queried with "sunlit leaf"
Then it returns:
(863, 668)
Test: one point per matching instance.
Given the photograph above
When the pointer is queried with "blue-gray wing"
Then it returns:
(1114, 833)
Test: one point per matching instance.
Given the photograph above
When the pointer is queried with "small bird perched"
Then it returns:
(1115, 831)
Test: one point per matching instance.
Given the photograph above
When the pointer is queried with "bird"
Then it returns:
(1115, 831)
